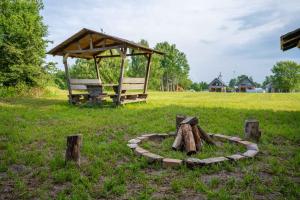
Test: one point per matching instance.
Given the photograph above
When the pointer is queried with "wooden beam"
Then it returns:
(97, 69)
(94, 50)
(78, 45)
(130, 54)
(123, 57)
(91, 41)
(147, 73)
(65, 58)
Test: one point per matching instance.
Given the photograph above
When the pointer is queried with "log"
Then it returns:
(73, 149)
(179, 119)
(205, 136)
(252, 130)
(177, 144)
(190, 120)
(196, 134)
(188, 139)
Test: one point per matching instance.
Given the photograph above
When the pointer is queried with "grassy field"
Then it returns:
(33, 139)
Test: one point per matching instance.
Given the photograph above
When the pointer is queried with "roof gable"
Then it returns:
(82, 40)
(247, 82)
(217, 81)
(290, 40)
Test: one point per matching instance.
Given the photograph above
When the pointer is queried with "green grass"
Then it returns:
(33, 139)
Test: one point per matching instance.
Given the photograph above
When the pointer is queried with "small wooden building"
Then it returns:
(290, 40)
(89, 44)
(245, 84)
(217, 85)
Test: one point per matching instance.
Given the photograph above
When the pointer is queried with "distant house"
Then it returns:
(217, 85)
(245, 84)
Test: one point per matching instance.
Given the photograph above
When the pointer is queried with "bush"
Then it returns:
(23, 90)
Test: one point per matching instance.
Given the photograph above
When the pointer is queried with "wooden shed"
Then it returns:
(290, 40)
(217, 85)
(245, 84)
(89, 44)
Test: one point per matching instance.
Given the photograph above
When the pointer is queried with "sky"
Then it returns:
(230, 37)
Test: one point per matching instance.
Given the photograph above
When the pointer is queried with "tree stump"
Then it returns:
(73, 149)
(252, 130)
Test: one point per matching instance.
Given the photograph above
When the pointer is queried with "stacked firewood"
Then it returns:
(190, 136)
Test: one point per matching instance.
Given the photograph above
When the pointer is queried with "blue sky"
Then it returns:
(229, 36)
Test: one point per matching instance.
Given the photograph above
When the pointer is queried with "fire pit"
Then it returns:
(190, 138)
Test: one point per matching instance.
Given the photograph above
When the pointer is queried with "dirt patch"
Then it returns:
(222, 176)
(57, 188)
(19, 169)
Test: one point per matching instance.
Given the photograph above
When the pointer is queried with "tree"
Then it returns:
(55, 75)
(199, 86)
(175, 67)
(137, 65)
(232, 82)
(286, 76)
(22, 44)
(268, 79)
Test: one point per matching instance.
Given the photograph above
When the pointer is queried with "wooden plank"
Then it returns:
(132, 101)
(78, 87)
(132, 86)
(93, 50)
(130, 80)
(130, 54)
(85, 82)
(147, 73)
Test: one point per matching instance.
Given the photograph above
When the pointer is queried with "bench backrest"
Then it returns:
(133, 83)
(80, 84)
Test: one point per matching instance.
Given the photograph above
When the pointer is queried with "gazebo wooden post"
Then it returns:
(97, 67)
(147, 73)
(65, 58)
(123, 57)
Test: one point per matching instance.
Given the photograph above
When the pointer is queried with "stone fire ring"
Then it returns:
(252, 150)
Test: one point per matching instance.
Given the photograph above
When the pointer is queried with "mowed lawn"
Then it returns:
(33, 140)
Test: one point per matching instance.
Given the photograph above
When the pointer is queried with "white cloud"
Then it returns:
(209, 32)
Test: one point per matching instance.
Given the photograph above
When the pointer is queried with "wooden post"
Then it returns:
(65, 58)
(73, 149)
(205, 136)
(252, 130)
(123, 57)
(188, 138)
(147, 73)
(177, 144)
(197, 138)
(97, 67)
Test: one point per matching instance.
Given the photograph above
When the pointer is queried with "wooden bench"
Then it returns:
(130, 84)
(93, 87)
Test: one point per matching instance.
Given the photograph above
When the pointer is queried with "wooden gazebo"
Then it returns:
(89, 44)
